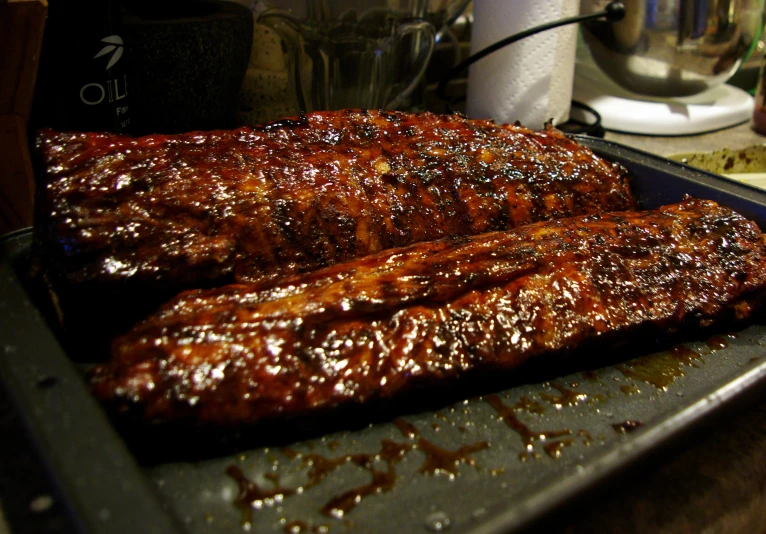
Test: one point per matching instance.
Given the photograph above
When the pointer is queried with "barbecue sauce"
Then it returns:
(629, 390)
(298, 527)
(408, 430)
(553, 448)
(587, 438)
(591, 376)
(661, 370)
(626, 426)
(530, 406)
(717, 343)
(251, 496)
(437, 461)
(382, 480)
(528, 436)
(567, 397)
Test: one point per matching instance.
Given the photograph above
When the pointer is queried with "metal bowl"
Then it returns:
(673, 47)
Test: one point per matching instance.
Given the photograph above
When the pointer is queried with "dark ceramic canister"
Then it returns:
(187, 63)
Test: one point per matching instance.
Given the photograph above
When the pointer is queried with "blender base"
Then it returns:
(622, 111)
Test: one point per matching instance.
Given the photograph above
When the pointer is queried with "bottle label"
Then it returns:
(82, 80)
(111, 90)
(94, 93)
(113, 47)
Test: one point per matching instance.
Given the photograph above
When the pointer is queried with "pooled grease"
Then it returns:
(299, 527)
(380, 465)
(440, 460)
(627, 426)
(661, 369)
(629, 390)
(569, 397)
(252, 497)
(717, 343)
(553, 448)
(383, 480)
(407, 429)
(528, 436)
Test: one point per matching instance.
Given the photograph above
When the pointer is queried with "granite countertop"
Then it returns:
(715, 483)
(734, 138)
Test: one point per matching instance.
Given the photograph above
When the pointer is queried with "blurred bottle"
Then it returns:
(82, 83)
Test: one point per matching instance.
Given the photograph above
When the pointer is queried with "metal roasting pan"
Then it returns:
(108, 488)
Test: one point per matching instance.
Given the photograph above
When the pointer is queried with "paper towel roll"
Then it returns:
(530, 80)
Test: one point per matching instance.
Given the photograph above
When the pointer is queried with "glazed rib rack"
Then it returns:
(260, 203)
(434, 312)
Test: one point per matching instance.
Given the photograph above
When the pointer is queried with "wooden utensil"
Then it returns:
(21, 34)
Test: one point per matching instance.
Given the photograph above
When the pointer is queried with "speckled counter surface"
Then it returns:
(734, 138)
(712, 483)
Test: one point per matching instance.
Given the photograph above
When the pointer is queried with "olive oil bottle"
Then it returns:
(83, 83)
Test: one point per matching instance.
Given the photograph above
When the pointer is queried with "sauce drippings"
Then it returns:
(591, 376)
(717, 343)
(290, 453)
(526, 455)
(407, 429)
(587, 438)
(596, 397)
(629, 390)
(528, 436)
(251, 496)
(272, 477)
(528, 405)
(568, 397)
(685, 354)
(439, 460)
(383, 477)
(553, 448)
(298, 527)
(382, 481)
(662, 369)
(626, 426)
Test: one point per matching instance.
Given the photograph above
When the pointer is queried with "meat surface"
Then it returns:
(259, 203)
(379, 326)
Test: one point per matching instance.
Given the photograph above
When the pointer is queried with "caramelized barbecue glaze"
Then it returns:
(381, 325)
(289, 197)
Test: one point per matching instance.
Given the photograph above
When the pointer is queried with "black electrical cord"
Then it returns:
(575, 126)
(613, 12)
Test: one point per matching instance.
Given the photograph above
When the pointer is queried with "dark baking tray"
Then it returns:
(107, 489)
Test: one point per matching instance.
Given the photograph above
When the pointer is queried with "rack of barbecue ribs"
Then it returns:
(407, 318)
(255, 204)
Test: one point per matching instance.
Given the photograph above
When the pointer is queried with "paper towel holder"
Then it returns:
(613, 12)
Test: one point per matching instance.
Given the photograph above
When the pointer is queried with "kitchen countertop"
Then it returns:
(734, 138)
(715, 483)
